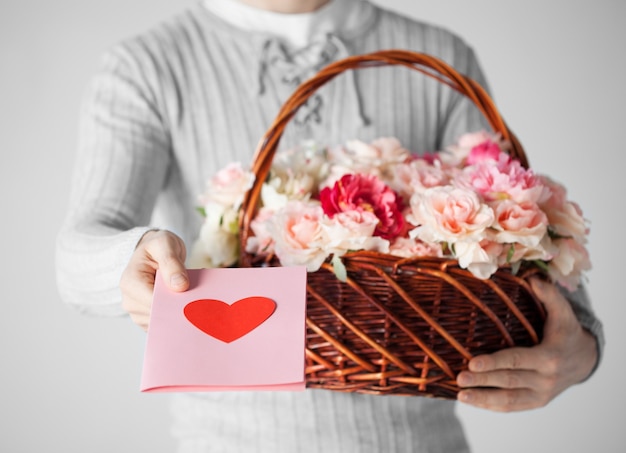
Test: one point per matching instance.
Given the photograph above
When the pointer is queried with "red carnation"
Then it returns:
(360, 192)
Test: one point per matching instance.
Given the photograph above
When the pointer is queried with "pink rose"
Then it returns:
(557, 193)
(378, 158)
(296, 172)
(379, 153)
(514, 252)
(565, 217)
(352, 230)
(449, 214)
(417, 175)
(480, 258)
(262, 242)
(414, 248)
(298, 235)
(228, 186)
(568, 265)
(357, 192)
(522, 222)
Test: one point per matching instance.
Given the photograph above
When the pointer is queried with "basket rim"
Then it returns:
(421, 62)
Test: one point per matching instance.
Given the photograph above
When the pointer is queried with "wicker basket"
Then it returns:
(400, 326)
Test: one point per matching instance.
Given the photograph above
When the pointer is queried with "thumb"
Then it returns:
(168, 251)
(559, 313)
(176, 279)
(549, 295)
(174, 273)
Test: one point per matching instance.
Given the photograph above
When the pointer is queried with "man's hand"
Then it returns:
(158, 249)
(518, 379)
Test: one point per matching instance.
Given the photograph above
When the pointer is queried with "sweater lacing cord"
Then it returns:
(287, 69)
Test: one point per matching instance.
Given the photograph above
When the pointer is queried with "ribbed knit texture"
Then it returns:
(315, 421)
(172, 106)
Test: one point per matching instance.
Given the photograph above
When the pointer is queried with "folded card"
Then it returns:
(234, 329)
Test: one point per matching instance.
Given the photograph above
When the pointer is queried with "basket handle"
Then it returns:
(426, 64)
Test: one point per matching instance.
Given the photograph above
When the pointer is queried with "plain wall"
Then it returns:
(69, 383)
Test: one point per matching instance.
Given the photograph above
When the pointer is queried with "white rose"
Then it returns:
(213, 248)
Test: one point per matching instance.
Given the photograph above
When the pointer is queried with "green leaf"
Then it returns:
(233, 227)
(510, 253)
(339, 268)
(542, 265)
(553, 234)
(201, 210)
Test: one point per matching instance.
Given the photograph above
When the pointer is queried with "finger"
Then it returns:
(137, 279)
(506, 359)
(136, 287)
(501, 400)
(139, 313)
(505, 379)
(137, 282)
(156, 250)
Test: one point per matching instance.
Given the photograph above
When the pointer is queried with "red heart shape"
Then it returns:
(229, 322)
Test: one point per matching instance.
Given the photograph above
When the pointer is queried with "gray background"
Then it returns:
(69, 383)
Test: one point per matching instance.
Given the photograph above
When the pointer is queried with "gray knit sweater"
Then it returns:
(172, 106)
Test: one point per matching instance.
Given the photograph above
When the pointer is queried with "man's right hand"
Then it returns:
(157, 249)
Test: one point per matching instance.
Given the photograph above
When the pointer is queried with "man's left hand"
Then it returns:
(517, 379)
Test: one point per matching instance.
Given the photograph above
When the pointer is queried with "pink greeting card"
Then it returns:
(234, 329)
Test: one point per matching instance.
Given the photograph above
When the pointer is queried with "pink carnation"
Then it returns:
(503, 178)
(474, 147)
(472, 202)
(471, 140)
(487, 150)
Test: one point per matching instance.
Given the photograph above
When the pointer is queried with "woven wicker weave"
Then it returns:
(401, 326)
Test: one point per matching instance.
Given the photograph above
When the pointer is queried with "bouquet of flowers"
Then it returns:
(471, 202)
